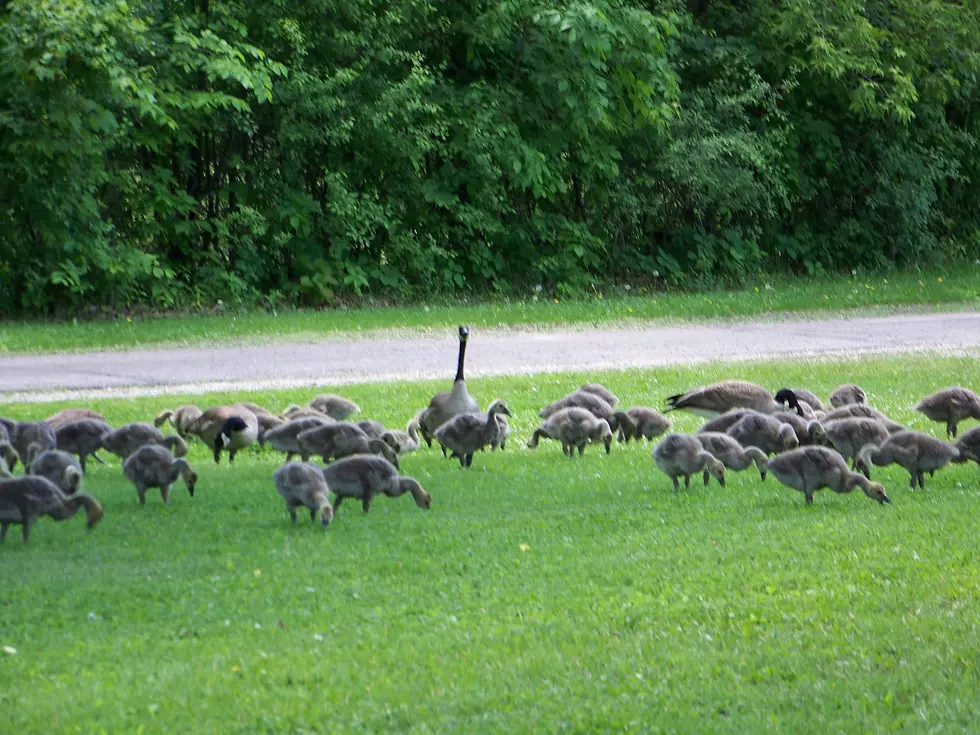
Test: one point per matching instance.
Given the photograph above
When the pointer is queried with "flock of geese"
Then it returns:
(791, 435)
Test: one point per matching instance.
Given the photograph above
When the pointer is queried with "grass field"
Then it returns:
(539, 594)
(926, 289)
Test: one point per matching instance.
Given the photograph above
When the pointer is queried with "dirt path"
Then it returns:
(490, 352)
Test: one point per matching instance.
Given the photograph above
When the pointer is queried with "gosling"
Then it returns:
(364, 476)
(333, 441)
(154, 466)
(128, 438)
(732, 454)
(950, 406)
(848, 436)
(765, 432)
(82, 437)
(916, 452)
(647, 423)
(303, 484)
(573, 427)
(285, 438)
(683, 455)
(809, 469)
(465, 433)
(24, 499)
(59, 467)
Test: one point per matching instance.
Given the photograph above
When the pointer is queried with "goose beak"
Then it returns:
(886, 499)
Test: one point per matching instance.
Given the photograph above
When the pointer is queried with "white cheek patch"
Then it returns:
(225, 440)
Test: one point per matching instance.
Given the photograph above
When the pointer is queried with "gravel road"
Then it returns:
(490, 352)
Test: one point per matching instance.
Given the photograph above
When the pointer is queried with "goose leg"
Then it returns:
(677, 485)
(313, 514)
(292, 512)
(687, 481)
(142, 493)
(336, 503)
(165, 494)
(81, 462)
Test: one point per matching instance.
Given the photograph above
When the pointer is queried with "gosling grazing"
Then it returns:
(713, 400)
(294, 413)
(365, 476)
(598, 406)
(447, 404)
(647, 423)
(950, 406)
(916, 452)
(732, 454)
(864, 411)
(25, 499)
(602, 391)
(336, 407)
(154, 466)
(181, 418)
(226, 427)
(682, 455)
(8, 457)
(574, 427)
(302, 484)
(802, 427)
(128, 438)
(848, 436)
(406, 441)
(969, 445)
(726, 420)
(285, 438)
(68, 415)
(768, 434)
(333, 441)
(809, 469)
(847, 394)
(24, 433)
(82, 437)
(59, 467)
(374, 429)
(465, 433)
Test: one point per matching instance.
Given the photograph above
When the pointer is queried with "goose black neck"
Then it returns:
(459, 364)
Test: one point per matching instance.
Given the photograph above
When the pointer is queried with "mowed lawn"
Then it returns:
(539, 594)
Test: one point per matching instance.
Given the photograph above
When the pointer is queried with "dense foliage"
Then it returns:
(176, 152)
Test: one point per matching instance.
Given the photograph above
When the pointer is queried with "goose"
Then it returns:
(447, 404)
(916, 452)
(809, 469)
(846, 394)
(803, 428)
(374, 429)
(465, 433)
(8, 457)
(602, 391)
(573, 427)
(267, 420)
(808, 397)
(848, 436)
(712, 400)
(732, 454)
(336, 407)
(364, 476)
(154, 466)
(294, 412)
(302, 484)
(619, 421)
(728, 419)
(768, 434)
(863, 411)
(503, 433)
(24, 499)
(24, 433)
(969, 445)
(226, 427)
(333, 441)
(128, 438)
(406, 441)
(285, 438)
(682, 455)
(950, 406)
(181, 418)
(59, 467)
(68, 415)
(82, 437)
(647, 423)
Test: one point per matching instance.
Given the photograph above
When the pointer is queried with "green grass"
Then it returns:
(540, 594)
(928, 288)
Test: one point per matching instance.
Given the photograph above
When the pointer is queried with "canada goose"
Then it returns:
(284, 438)
(59, 467)
(808, 397)
(848, 436)
(465, 433)
(683, 455)
(267, 422)
(128, 438)
(802, 427)
(732, 454)
(292, 413)
(406, 441)
(154, 466)
(863, 411)
(333, 441)
(24, 499)
(647, 423)
(181, 418)
(969, 445)
(447, 404)
(573, 427)
(619, 421)
(364, 476)
(712, 400)
(336, 407)
(846, 394)
(503, 433)
(768, 434)
(950, 406)
(226, 427)
(809, 469)
(303, 484)
(82, 437)
(24, 433)
(374, 429)
(600, 390)
(728, 419)
(916, 452)
(68, 415)
(8, 457)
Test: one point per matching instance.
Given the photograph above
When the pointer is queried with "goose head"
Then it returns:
(786, 396)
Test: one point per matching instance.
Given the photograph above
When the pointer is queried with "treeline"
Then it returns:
(171, 153)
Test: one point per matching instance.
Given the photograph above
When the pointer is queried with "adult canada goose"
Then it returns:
(713, 400)
(365, 476)
(68, 415)
(181, 418)
(24, 433)
(574, 427)
(863, 411)
(969, 445)
(768, 434)
(732, 454)
(682, 455)
(809, 469)
(848, 436)
(447, 404)
(285, 438)
(154, 466)
(845, 395)
(465, 433)
(59, 467)
(25, 499)
(647, 423)
(619, 421)
(916, 452)
(226, 427)
(406, 441)
(128, 438)
(302, 484)
(82, 437)
(336, 407)
(333, 441)
(950, 406)
(602, 391)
